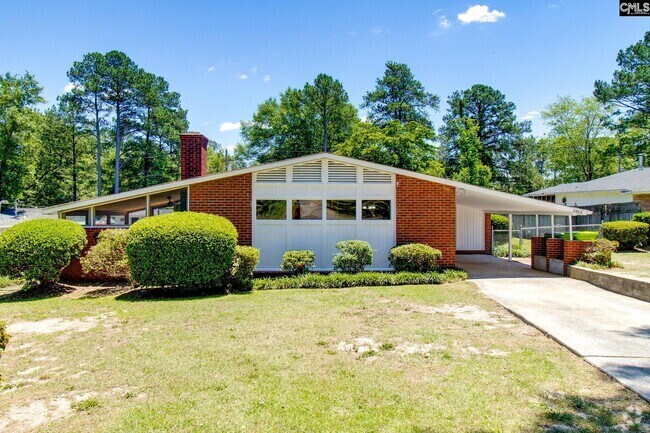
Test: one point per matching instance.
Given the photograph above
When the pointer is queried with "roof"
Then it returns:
(467, 195)
(8, 217)
(636, 181)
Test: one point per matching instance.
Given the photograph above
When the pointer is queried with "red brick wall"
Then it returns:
(537, 248)
(554, 250)
(426, 213)
(231, 198)
(194, 155)
(573, 251)
(73, 271)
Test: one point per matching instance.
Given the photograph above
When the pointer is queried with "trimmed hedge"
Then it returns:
(641, 217)
(182, 249)
(4, 337)
(298, 261)
(414, 258)
(108, 257)
(499, 222)
(628, 234)
(354, 256)
(246, 258)
(40, 249)
(339, 280)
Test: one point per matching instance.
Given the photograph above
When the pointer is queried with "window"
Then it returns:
(307, 210)
(341, 209)
(271, 209)
(80, 217)
(375, 209)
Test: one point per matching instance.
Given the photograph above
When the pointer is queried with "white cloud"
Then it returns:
(209, 122)
(480, 14)
(229, 126)
(443, 22)
(530, 115)
(376, 30)
(352, 33)
(437, 11)
(69, 88)
(266, 78)
(242, 77)
(254, 69)
(212, 69)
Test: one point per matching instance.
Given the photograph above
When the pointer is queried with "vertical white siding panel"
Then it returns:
(470, 229)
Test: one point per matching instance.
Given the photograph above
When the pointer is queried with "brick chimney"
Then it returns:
(194, 155)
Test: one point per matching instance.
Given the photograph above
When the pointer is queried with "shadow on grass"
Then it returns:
(171, 294)
(32, 291)
(620, 412)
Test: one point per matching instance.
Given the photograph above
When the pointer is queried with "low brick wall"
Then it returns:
(557, 252)
(573, 250)
(537, 248)
(73, 271)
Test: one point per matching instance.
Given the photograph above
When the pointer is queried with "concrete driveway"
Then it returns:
(608, 330)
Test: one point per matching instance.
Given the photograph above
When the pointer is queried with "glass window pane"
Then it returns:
(341, 209)
(271, 209)
(307, 210)
(79, 219)
(118, 220)
(375, 209)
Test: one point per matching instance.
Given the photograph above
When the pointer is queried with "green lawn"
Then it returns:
(636, 264)
(437, 359)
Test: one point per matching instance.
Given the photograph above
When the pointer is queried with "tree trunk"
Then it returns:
(118, 148)
(99, 147)
(74, 168)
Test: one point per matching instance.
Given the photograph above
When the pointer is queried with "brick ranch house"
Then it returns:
(312, 202)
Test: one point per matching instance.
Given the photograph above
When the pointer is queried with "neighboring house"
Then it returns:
(314, 201)
(623, 193)
(9, 217)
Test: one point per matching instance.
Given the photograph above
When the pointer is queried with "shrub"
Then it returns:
(40, 249)
(628, 234)
(501, 250)
(499, 222)
(414, 258)
(246, 258)
(600, 252)
(182, 249)
(642, 217)
(354, 256)
(298, 261)
(4, 337)
(108, 257)
(338, 280)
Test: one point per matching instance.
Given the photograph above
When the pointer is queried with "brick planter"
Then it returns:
(537, 248)
(573, 250)
(554, 250)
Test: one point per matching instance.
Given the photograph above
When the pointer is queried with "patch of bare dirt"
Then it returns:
(56, 324)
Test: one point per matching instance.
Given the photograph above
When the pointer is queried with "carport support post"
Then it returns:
(552, 226)
(537, 225)
(510, 237)
(570, 227)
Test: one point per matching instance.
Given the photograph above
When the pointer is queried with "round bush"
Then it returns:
(414, 258)
(182, 249)
(354, 256)
(600, 252)
(628, 234)
(246, 258)
(298, 261)
(499, 222)
(641, 217)
(108, 257)
(4, 336)
(40, 249)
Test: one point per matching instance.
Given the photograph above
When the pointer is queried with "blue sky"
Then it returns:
(226, 57)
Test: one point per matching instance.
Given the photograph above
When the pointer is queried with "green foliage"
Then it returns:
(4, 336)
(628, 234)
(399, 96)
(246, 258)
(395, 144)
(299, 122)
(86, 405)
(471, 169)
(629, 89)
(414, 258)
(501, 250)
(108, 257)
(642, 217)
(363, 279)
(499, 222)
(354, 256)
(498, 131)
(580, 144)
(600, 252)
(298, 261)
(40, 249)
(182, 249)
(19, 96)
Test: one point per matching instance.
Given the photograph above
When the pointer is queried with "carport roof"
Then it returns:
(473, 196)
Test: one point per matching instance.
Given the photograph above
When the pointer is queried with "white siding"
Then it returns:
(594, 198)
(470, 229)
(273, 238)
